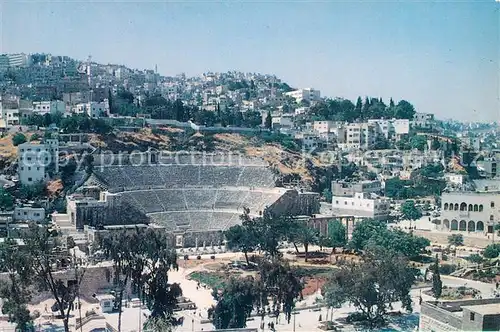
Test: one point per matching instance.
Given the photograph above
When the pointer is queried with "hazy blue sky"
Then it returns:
(443, 57)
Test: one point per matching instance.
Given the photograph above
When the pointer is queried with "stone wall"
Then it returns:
(433, 318)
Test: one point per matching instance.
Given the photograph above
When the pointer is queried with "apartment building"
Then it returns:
(9, 111)
(423, 120)
(391, 129)
(359, 136)
(361, 205)
(28, 213)
(49, 107)
(359, 199)
(307, 94)
(13, 60)
(323, 126)
(36, 160)
(93, 109)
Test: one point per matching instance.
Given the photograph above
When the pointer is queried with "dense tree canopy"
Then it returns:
(371, 232)
(409, 211)
(382, 278)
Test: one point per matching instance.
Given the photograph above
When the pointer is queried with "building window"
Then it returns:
(492, 217)
(30, 179)
(492, 204)
(472, 316)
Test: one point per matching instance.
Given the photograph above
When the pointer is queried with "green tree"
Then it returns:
(475, 258)
(278, 284)
(382, 278)
(15, 290)
(242, 238)
(404, 110)
(492, 251)
(18, 138)
(151, 262)
(327, 194)
(143, 258)
(43, 249)
(269, 120)
(437, 284)
(68, 171)
(456, 240)
(33, 191)
(418, 142)
(375, 233)
(409, 211)
(305, 235)
(234, 303)
(336, 236)
(364, 231)
(6, 200)
(117, 247)
(270, 230)
(35, 137)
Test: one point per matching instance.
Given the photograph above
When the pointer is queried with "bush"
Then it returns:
(18, 138)
(447, 268)
(492, 251)
(35, 137)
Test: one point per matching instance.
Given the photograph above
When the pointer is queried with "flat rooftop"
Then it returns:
(484, 309)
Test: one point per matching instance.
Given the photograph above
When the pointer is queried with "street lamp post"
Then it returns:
(295, 313)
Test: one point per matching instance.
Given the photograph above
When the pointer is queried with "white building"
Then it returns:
(93, 109)
(52, 107)
(423, 120)
(11, 117)
(282, 121)
(307, 94)
(35, 160)
(361, 205)
(454, 178)
(470, 211)
(323, 126)
(309, 141)
(359, 136)
(28, 213)
(9, 111)
(391, 129)
(13, 60)
(301, 110)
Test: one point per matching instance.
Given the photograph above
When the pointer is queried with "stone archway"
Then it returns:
(462, 226)
(454, 225)
(471, 226)
(446, 224)
(479, 226)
